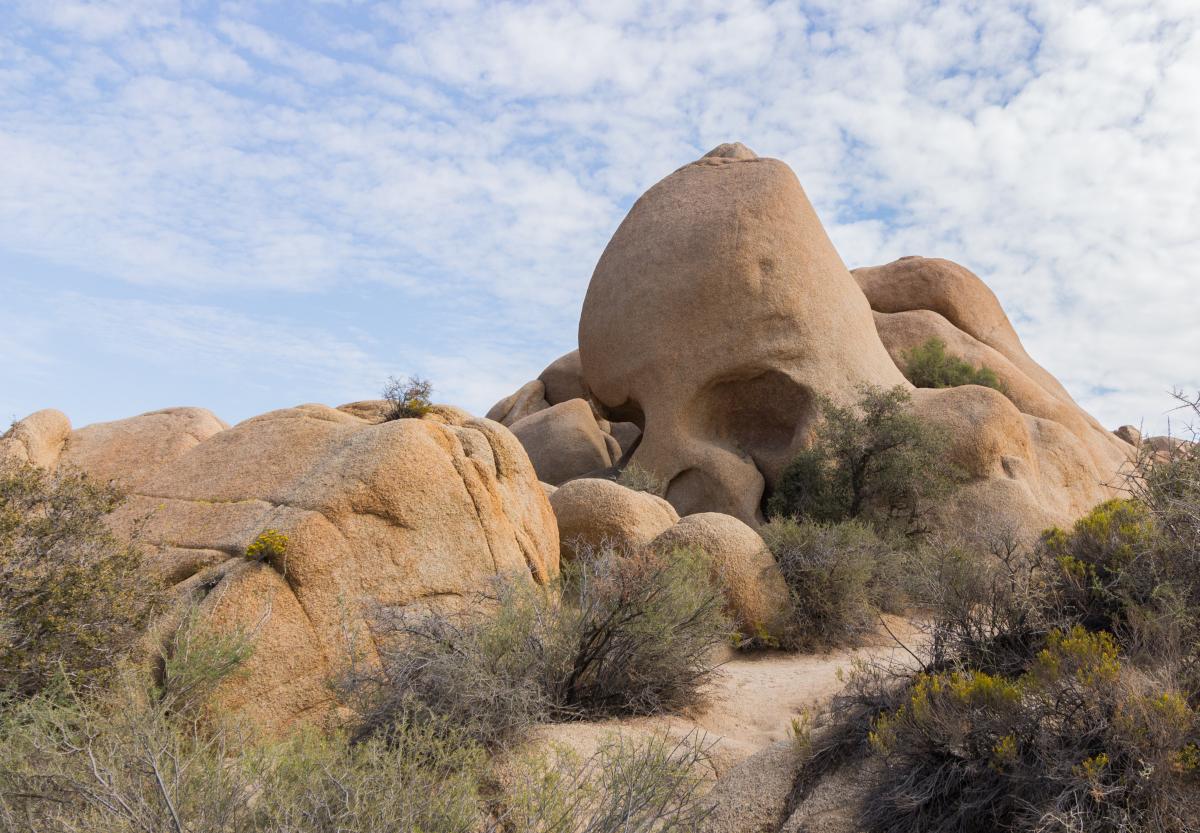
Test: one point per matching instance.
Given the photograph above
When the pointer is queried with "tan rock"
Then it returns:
(723, 380)
(756, 593)
(594, 512)
(563, 379)
(752, 796)
(38, 439)
(564, 441)
(405, 513)
(128, 451)
(626, 434)
(528, 399)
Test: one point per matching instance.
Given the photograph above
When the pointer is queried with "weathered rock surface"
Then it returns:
(407, 512)
(38, 439)
(716, 313)
(724, 384)
(125, 451)
(564, 441)
(755, 591)
(563, 379)
(528, 399)
(1129, 434)
(593, 512)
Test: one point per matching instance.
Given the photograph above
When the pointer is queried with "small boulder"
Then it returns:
(564, 441)
(593, 512)
(529, 399)
(563, 379)
(38, 439)
(756, 593)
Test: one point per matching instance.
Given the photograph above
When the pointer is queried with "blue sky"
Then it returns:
(248, 205)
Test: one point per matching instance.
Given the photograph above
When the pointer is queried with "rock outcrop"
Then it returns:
(125, 451)
(720, 311)
(413, 512)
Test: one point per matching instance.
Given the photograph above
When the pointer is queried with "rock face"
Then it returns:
(720, 310)
(716, 313)
(408, 512)
(592, 512)
(528, 399)
(564, 441)
(38, 439)
(563, 379)
(755, 591)
(126, 451)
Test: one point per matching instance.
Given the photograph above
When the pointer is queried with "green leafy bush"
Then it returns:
(632, 633)
(839, 577)
(408, 398)
(74, 600)
(874, 460)
(930, 366)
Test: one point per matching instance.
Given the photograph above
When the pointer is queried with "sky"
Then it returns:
(250, 205)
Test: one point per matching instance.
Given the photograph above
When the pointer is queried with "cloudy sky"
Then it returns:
(247, 205)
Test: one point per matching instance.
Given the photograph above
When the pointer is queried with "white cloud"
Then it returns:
(479, 155)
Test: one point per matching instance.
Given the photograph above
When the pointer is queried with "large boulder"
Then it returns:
(407, 513)
(755, 591)
(125, 451)
(593, 512)
(725, 382)
(564, 441)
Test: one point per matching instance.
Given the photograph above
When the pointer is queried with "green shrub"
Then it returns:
(839, 577)
(74, 600)
(875, 460)
(1076, 743)
(638, 479)
(930, 366)
(409, 398)
(631, 633)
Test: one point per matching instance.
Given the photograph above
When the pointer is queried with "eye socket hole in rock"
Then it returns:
(758, 412)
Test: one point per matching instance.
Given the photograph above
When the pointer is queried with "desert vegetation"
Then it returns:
(873, 460)
(407, 398)
(630, 633)
(1058, 687)
(99, 730)
(929, 365)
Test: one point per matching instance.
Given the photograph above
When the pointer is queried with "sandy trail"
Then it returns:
(752, 702)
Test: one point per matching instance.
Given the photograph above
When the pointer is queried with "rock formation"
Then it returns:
(410, 512)
(126, 451)
(720, 310)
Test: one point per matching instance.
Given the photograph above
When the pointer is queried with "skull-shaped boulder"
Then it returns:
(717, 312)
(720, 310)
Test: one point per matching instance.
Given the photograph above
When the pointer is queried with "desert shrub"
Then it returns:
(839, 577)
(930, 366)
(875, 460)
(639, 479)
(1077, 743)
(408, 398)
(73, 599)
(270, 545)
(632, 632)
(143, 756)
(629, 785)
